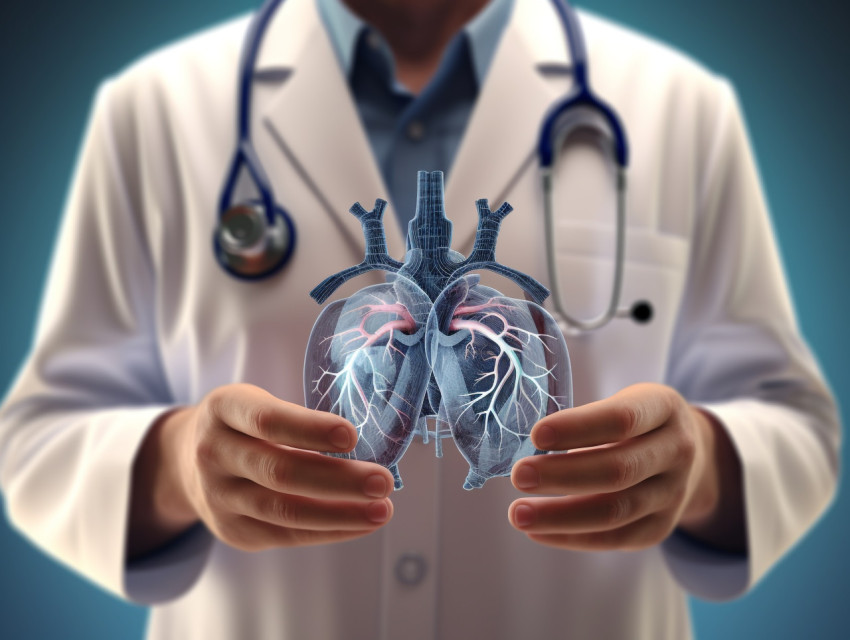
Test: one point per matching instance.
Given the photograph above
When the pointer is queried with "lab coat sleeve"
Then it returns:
(739, 354)
(93, 384)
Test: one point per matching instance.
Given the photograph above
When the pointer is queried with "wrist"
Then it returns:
(160, 508)
(715, 513)
(173, 499)
(705, 493)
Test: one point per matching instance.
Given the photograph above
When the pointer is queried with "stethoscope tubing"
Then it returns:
(553, 133)
(246, 156)
(570, 324)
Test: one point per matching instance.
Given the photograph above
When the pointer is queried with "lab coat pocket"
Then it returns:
(625, 351)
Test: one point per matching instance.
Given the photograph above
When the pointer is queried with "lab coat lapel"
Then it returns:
(501, 138)
(313, 119)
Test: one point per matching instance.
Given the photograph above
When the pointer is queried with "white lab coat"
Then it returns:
(138, 318)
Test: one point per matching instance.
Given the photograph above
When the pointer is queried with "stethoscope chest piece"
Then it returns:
(247, 246)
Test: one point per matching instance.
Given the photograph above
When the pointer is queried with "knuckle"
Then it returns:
(279, 510)
(618, 510)
(683, 445)
(673, 400)
(215, 399)
(216, 494)
(205, 451)
(275, 472)
(289, 513)
(271, 508)
(260, 420)
(686, 448)
(626, 421)
(638, 506)
(623, 471)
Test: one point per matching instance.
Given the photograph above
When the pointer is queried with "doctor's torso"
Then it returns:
(448, 565)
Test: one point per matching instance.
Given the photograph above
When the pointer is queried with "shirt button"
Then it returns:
(416, 130)
(373, 40)
(410, 569)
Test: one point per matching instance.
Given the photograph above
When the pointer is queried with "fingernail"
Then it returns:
(544, 436)
(375, 486)
(527, 477)
(523, 515)
(340, 438)
(378, 512)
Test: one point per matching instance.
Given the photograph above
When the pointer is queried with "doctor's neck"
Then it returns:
(417, 31)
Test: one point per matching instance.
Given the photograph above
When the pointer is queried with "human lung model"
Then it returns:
(432, 342)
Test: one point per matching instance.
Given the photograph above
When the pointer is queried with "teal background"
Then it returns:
(789, 63)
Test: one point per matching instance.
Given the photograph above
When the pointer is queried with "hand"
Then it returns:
(633, 467)
(247, 465)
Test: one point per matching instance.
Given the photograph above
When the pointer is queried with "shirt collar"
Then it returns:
(483, 32)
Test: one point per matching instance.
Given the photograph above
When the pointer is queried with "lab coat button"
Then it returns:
(416, 130)
(410, 569)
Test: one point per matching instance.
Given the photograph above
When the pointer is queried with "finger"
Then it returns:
(599, 469)
(299, 472)
(259, 414)
(249, 534)
(586, 514)
(243, 497)
(637, 535)
(631, 412)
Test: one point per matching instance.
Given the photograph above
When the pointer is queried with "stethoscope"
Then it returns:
(254, 239)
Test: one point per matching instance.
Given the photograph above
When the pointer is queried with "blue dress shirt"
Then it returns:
(408, 132)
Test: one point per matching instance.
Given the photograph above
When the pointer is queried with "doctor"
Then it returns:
(155, 437)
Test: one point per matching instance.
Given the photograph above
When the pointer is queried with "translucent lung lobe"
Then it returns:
(501, 364)
(366, 362)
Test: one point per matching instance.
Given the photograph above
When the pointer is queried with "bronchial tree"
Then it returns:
(432, 342)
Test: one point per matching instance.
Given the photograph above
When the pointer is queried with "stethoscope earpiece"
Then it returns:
(250, 248)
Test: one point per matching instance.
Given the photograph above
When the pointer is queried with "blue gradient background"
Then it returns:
(791, 75)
